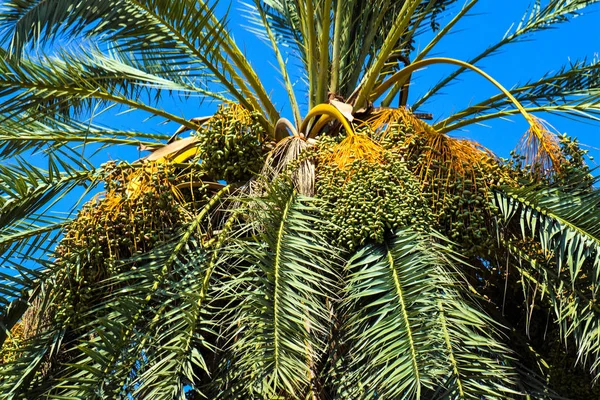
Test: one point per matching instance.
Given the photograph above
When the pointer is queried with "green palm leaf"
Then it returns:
(408, 317)
(144, 330)
(187, 30)
(567, 227)
(289, 262)
(73, 83)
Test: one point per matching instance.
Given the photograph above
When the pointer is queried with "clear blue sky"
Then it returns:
(489, 20)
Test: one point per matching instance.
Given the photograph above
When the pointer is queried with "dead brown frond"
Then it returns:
(36, 318)
(287, 155)
(540, 148)
(170, 150)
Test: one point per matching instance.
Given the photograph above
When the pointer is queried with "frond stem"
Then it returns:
(276, 289)
(398, 29)
(401, 76)
(405, 317)
(282, 65)
(337, 36)
(450, 350)
(328, 110)
(442, 126)
(324, 53)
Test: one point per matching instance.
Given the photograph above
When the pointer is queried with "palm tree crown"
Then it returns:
(352, 251)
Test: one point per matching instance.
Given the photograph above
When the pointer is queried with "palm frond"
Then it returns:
(398, 28)
(116, 359)
(353, 50)
(18, 375)
(28, 235)
(35, 137)
(26, 193)
(73, 83)
(163, 293)
(566, 226)
(406, 318)
(482, 366)
(289, 262)
(187, 30)
(572, 91)
(259, 16)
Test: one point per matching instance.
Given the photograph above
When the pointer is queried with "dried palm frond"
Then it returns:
(286, 155)
(540, 147)
(35, 318)
(183, 128)
(171, 149)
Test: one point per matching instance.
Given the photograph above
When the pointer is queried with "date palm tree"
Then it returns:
(351, 251)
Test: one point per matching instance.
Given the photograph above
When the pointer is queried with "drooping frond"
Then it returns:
(290, 264)
(26, 194)
(388, 289)
(29, 230)
(406, 317)
(483, 366)
(566, 226)
(149, 313)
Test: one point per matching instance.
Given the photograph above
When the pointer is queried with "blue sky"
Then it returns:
(488, 21)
